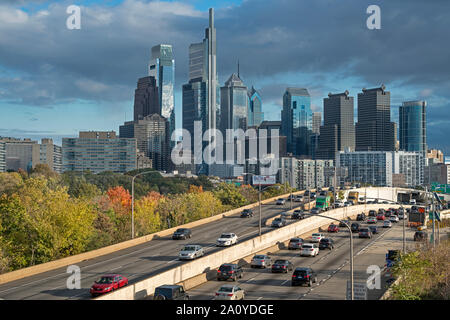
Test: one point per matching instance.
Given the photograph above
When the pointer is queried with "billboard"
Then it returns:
(264, 180)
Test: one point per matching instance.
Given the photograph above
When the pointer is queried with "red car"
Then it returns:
(108, 283)
(333, 228)
(380, 217)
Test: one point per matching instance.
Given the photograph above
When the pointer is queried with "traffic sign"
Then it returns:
(359, 290)
(264, 180)
(437, 216)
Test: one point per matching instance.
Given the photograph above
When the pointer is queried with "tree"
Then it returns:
(44, 170)
(229, 195)
(9, 182)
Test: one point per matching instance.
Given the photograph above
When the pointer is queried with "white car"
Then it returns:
(394, 218)
(190, 252)
(226, 239)
(338, 204)
(387, 224)
(230, 292)
(402, 216)
(280, 201)
(309, 249)
(298, 199)
(316, 237)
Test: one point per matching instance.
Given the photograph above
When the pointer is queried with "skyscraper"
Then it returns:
(162, 68)
(338, 131)
(296, 121)
(2, 156)
(412, 122)
(255, 114)
(233, 104)
(374, 129)
(146, 100)
(316, 122)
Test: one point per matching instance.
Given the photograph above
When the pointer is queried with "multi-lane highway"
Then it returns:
(138, 262)
(331, 266)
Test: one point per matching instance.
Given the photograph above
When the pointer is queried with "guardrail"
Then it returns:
(184, 272)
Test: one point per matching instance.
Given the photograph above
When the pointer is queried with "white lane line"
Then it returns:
(259, 298)
(284, 282)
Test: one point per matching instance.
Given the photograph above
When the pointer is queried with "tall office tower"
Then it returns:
(338, 131)
(2, 156)
(152, 136)
(412, 122)
(201, 97)
(146, 100)
(296, 121)
(162, 68)
(47, 153)
(316, 122)
(255, 114)
(374, 129)
(99, 151)
(233, 104)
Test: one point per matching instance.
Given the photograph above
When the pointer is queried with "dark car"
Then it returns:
(298, 214)
(381, 211)
(361, 217)
(373, 229)
(355, 227)
(343, 223)
(229, 271)
(170, 292)
(312, 195)
(326, 243)
(182, 233)
(372, 213)
(282, 266)
(303, 276)
(295, 243)
(420, 236)
(247, 213)
(388, 213)
(365, 233)
(108, 283)
(278, 222)
(315, 210)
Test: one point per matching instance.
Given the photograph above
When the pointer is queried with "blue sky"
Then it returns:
(55, 82)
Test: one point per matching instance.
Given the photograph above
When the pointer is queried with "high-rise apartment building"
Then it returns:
(255, 114)
(19, 153)
(152, 136)
(412, 122)
(296, 121)
(146, 98)
(316, 122)
(435, 156)
(305, 173)
(47, 153)
(162, 68)
(99, 151)
(374, 129)
(338, 130)
(2, 156)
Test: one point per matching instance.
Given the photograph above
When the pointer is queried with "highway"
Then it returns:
(331, 266)
(138, 262)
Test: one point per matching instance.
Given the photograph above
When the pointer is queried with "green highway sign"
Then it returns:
(440, 188)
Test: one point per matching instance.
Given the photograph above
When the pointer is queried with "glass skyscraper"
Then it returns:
(255, 114)
(412, 122)
(296, 121)
(233, 106)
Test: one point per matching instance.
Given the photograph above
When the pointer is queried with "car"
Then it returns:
(388, 213)
(298, 198)
(333, 228)
(394, 218)
(381, 211)
(295, 243)
(338, 204)
(229, 271)
(326, 243)
(182, 233)
(387, 224)
(343, 223)
(298, 214)
(348, 203)
(312, 195)
(402, 216)
(280, 201)
(282, 266)
(247, 213)
(306, 193)
(365, 233)
(373, 229)
(261, 261)
(355, 227)
(230, 292)
(361, 217)
(420, 236)
(381, 216)
(108, 283)
(227, 239)
(303, 276)
(412, 201)
(191, 251)
(286, 215)
(278, 222)
(372, 220)
(316, 237)
(309, 249)
(170, 292)
(372, 213)
(315, 210)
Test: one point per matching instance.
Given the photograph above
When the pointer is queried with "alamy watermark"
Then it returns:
(374, 20)
(74, 280)
(74, 20)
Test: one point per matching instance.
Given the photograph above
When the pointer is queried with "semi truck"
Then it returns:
(353, 196)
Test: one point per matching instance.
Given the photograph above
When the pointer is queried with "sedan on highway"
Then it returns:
(286, 215)
(278, 222)
(282, 266)
(227, 239)
(108, 283)
(309, 249)
(229, 271)
(280, 201)
(182, 233)
(191, 251)
(365, 233)
(343, 223)
(261, 261)
(394, 218)
(380, 216)
(295, 243)
(247, 213)
(302, 276)
(230, 292)
(355, 227)
(298, 198)
(373, 229)
(298, 214)
(315, 210)
(372, 220)
(387, 224)
(316, 237)
(326, 243)
(333, 228)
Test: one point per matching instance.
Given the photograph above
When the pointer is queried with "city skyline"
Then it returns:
(42, 107)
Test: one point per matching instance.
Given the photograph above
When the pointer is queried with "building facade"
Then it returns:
(412, 123)
(434, 156)
(255, 115)
(99, 151)
(374, 129)
(2, 156)
(47, 153)
(233, 105)
(19, 153)
(146, 98)
(296, 121)
(304, 173)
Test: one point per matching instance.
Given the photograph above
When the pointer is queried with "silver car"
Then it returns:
(261, 261)
(280, 201)
(230, 292)
(191, 252)
(286, 215)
